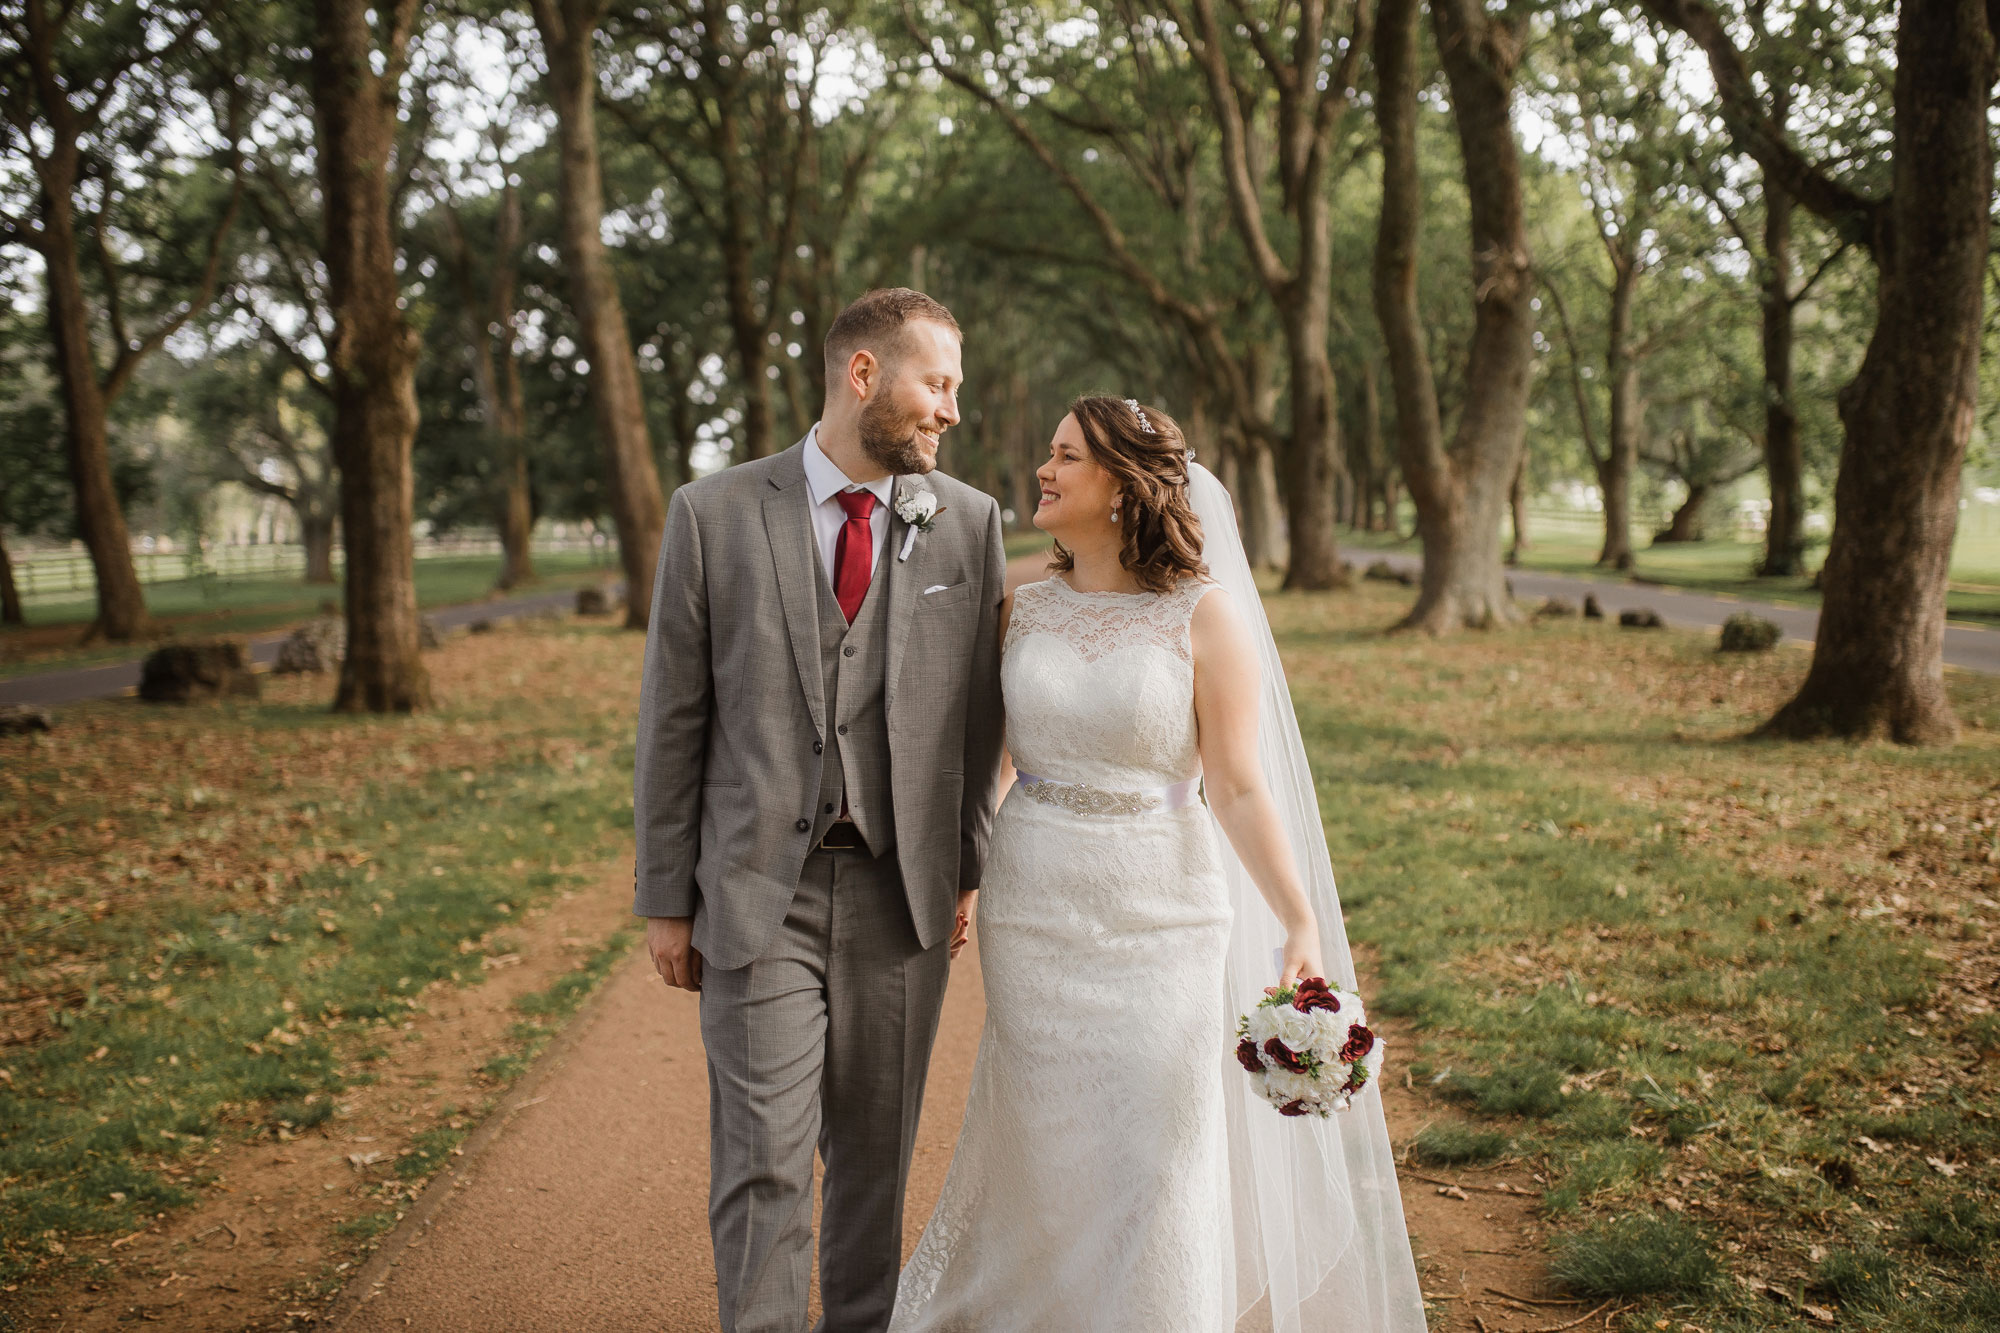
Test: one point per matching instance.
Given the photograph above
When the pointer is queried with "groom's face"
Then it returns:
(902, 421)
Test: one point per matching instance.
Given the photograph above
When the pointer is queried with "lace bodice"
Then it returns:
(1100, 686)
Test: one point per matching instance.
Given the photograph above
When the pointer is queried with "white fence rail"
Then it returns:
(46, 576)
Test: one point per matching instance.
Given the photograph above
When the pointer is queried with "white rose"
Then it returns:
(1263, 1024)
(1295, 1029)
(1372, 1062)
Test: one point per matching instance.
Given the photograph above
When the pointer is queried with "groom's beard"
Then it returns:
(889, 438)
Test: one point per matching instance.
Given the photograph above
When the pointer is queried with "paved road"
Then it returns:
(1969, 649)
(46, 689)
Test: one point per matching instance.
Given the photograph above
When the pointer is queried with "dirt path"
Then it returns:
(1471, 1238)
(588, 1210)
(591, 1208)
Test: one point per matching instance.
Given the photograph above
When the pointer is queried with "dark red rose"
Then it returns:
(1313, 994)
(1359, 1042)
(1246, 1055)
(1292, 1108)
(1284, 1056)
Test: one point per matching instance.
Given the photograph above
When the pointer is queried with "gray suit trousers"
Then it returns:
(824, 1038)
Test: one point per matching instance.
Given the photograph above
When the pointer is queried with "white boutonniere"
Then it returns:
(919, 509)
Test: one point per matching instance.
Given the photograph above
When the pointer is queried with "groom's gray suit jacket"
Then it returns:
(735, 729)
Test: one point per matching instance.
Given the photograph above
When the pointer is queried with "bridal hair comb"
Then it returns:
(1140, 413)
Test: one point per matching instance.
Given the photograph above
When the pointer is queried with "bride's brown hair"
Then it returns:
(1162, 537)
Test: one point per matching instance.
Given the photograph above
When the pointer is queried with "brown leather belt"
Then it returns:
(842, 836)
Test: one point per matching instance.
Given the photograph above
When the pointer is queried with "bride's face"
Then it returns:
(1076, 491)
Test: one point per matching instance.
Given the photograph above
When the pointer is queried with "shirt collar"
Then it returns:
(824, 476)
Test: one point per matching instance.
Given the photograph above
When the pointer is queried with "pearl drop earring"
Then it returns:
(1119, 500)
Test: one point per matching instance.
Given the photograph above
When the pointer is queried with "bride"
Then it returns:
(1116, 1170)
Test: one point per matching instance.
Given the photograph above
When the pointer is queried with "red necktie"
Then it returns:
(854, 554)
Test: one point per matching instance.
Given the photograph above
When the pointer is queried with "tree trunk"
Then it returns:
(1688, 523)
(567, 28)
(316, 536)
(10, 594)
(1878, 666)
(1263, 522)
(1784, 463)
(1621, 456)
(100, 519)
(496, 373)
(1517, 504)
(752, 361)
(515, 513)
(749, 327)
(1309, 459)
(373, 356)
(1460, 492)
(1371, 483)
(1309, 483)
(1308, 111)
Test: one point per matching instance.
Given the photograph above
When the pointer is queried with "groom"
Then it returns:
(819, 737)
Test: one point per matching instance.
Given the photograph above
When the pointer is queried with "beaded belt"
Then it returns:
(1081, 798)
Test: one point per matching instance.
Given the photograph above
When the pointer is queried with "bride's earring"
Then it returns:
(1115, 502)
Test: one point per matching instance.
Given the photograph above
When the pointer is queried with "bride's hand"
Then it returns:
(1302, 958)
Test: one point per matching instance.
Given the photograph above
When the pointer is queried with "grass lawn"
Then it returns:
(1026, 542)
(1733, 1002)
(49, 641)
(1569, 545)
(1732, 1005)
(218, 916)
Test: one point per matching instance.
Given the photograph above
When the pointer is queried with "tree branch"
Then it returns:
(1597, 458)
(1821, 271)
(129, 356)
(1242, 188)
(1855, 217)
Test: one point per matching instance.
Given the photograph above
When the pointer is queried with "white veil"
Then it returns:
(1320, 1242)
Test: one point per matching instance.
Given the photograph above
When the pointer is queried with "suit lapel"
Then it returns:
(788, 523)
(905, 578)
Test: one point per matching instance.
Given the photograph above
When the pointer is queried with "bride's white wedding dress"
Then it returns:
(1116, 1172)
(1090, 1186)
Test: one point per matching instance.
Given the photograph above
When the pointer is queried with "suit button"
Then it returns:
(818, 746)
(842, 728)
(829, 807)
(847, 652)
(804, 826)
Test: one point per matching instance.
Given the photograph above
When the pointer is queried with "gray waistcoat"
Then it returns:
(851, 662)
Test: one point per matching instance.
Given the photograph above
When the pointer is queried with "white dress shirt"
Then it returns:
(824, 480)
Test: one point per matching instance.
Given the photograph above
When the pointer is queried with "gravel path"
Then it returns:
(1966, 647)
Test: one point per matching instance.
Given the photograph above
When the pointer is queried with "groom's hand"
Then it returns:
(670, 941)
(961, 930)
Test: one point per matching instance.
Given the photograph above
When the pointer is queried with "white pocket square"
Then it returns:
(938, 587)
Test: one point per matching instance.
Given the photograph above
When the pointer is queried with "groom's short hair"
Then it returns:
(874, 321)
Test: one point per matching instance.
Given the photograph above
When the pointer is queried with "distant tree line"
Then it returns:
(487, 262)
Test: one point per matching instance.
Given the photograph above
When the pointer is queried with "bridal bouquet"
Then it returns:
(1308, 1048)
